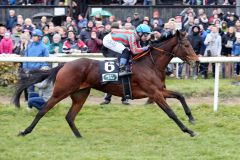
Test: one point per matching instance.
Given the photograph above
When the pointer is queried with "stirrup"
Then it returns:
(124, 73)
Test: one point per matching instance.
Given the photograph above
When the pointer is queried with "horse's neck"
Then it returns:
(162, 61)
(163, 58)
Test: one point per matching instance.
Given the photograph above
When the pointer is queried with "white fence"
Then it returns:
(98, 56)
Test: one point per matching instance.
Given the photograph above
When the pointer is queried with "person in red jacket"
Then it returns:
(73, 44)
(6, 44)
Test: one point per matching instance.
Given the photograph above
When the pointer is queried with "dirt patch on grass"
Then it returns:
(117, 100)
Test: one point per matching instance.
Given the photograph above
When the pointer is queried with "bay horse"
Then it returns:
(76, 78)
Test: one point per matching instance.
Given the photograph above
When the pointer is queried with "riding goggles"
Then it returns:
(143, 34)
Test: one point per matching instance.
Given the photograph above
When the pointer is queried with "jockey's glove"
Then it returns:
(145, 48)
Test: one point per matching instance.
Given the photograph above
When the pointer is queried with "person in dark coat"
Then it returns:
(136, 20)
(11, 20)
(86, 32)
(228, 40)
(197, 44)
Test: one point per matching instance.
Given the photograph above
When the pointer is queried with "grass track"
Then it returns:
(121, 133)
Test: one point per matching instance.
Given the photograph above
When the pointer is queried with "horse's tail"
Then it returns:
(33, 77)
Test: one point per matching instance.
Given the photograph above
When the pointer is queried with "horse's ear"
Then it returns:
(178, 33)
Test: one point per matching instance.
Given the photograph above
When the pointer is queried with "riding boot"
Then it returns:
(123, 70)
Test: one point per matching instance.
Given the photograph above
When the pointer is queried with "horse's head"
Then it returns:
(183, 49)
(176, 45)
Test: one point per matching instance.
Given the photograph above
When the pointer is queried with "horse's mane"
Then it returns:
(161, 41)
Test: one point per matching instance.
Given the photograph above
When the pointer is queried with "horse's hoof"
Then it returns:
(193, 134)
(192, 121)
(21, 133)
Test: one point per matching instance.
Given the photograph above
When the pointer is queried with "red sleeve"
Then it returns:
(81, 44)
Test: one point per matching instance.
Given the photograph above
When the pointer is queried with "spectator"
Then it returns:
(146, 20)
(6, 44)
(128, 26)
(129, 19)
(63, 33)
(147, 2)
(228, 40)
(82, 23)
(20, 20)
(46, 32)
(2, 31)
(24, 41)
(28, 25)
(136, 20)
(35, 49)
(16, 33)
(57, 45)
(100, 28)
(42, 23)
(68, 21)
(11, 20)
(231, 19)
(129, 2)
(204, 20)
(46, 41)
(72, 44)
(224, 27)
(45, 89)
(197, 44)
(94, 44)
(214, 45)
(236, 52)
(107, 29)
(86, 33)
(157, 19)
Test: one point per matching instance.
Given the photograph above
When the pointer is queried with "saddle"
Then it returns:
(109, 73)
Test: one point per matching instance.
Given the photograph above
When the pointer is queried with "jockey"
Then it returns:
(123, 41)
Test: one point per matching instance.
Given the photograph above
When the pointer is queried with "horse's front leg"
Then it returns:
(159, 99)
(179, 96)
(47, 106)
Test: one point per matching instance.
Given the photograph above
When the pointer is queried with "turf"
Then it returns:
(121, 133)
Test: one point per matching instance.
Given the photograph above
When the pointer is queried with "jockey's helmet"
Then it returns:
(143, 28)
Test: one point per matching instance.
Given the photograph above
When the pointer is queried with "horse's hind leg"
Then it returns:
(159, 99)
(78, 99)
(172, 94)
(47, 106)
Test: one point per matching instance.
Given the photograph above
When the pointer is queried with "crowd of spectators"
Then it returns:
(217, 34)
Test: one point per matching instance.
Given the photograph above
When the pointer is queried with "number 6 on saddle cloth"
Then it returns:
(109, 73)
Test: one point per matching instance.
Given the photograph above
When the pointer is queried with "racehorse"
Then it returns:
(76, 78)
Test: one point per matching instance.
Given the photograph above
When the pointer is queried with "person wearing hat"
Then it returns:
(136, 20)
(35, 49)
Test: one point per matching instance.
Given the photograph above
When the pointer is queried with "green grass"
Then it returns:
(121, 133)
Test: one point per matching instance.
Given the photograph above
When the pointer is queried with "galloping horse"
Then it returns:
(76, 78)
